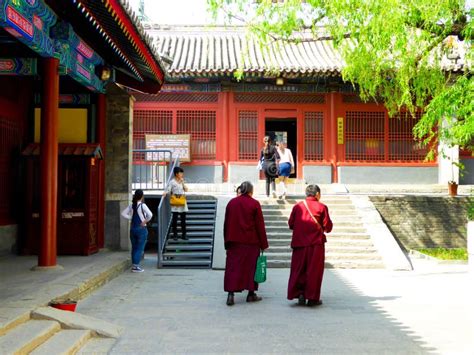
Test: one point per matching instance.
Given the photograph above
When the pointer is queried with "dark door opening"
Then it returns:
(283, 129)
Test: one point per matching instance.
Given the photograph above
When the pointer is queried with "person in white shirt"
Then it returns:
(139, 213)
(286, 166)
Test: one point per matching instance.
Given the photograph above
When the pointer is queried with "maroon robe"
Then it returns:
(244, 237)
(307, 242)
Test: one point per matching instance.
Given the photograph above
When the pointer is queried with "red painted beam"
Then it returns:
(49, 163)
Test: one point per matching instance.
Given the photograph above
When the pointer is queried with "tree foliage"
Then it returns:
(395, 50)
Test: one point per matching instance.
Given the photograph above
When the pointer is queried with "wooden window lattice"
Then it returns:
(178, 97)
(313, 136)
(365, 136)
(248, 127)
(201, 125)
(402, 146)
(279, 98)
(149, 122)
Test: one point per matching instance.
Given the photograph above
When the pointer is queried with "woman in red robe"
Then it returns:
(309, 220)
(244, 238)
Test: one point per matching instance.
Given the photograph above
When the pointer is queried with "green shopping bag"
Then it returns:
(261, 269)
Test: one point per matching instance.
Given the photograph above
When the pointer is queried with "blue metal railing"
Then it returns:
(164, 214)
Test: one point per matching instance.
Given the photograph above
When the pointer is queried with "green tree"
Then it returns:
(396, 51)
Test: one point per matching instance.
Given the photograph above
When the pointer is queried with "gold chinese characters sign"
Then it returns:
(178, 144)
(340, 130)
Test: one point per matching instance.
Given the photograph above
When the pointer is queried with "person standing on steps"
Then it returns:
(269, 156)
(244, 238)
(309, 220)
(286, 166)
(177, 187)
(140, 215)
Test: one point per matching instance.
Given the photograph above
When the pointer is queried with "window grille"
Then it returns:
(248, 127)
(149, 122)
(201, 125)
(402, 145)
(365, 136)
(279, 98)
(10, 141)
(313, 136)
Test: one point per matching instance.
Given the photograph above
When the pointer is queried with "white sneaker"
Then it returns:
(137, 269)
(274, 194)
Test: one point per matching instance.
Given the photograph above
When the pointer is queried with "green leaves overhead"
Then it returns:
(404, 52)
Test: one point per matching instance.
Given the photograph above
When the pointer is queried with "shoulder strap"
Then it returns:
(314, 219)
(143, 213)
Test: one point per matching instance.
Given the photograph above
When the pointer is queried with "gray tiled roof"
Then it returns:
(203, 51)
(199, 51)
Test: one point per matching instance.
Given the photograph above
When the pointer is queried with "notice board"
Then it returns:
(179, 144)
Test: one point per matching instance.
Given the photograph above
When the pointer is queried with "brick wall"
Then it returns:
(118, 163)
(425, 222)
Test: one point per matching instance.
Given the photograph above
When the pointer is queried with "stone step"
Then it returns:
(284, 222)
(283, 228)
(287, 234)
(200, 211)
(352, 257)
(66, 341)
(335, 213)
(369, 249)
(332, 243)
(27, 336)
(97, 346)
(289, 207)
(336, 220)
(339, 264)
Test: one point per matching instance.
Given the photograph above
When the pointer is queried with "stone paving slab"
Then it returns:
(22, 290)
(364, 312)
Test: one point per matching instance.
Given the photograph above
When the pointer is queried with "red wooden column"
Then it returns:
(101, 139)
(333, 135)
(224, 140)
(49, 163)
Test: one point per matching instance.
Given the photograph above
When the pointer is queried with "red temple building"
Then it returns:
(65, 122)
(294, 92)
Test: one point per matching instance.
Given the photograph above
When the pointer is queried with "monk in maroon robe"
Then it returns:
(244, 238)
(309, 222)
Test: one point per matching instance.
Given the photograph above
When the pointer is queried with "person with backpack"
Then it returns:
(139, 213)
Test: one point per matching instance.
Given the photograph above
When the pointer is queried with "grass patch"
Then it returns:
(445, 253)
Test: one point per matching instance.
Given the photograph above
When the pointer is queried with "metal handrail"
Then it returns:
(164, 214)
(150, 168)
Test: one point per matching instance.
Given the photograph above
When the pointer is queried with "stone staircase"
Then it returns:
(348, 245)
(49, 331)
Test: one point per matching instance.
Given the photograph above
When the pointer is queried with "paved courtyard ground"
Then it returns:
(428, 310)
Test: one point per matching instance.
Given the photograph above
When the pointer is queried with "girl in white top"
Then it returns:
(177, 187)
(286, 166)
(140, 215)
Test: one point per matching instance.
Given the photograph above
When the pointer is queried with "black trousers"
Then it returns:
(271, 172)
(182, 217)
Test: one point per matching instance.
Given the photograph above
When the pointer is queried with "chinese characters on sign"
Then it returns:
(179, 144)
(340, 130)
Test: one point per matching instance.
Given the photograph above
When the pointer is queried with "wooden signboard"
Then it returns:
(179, 144)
